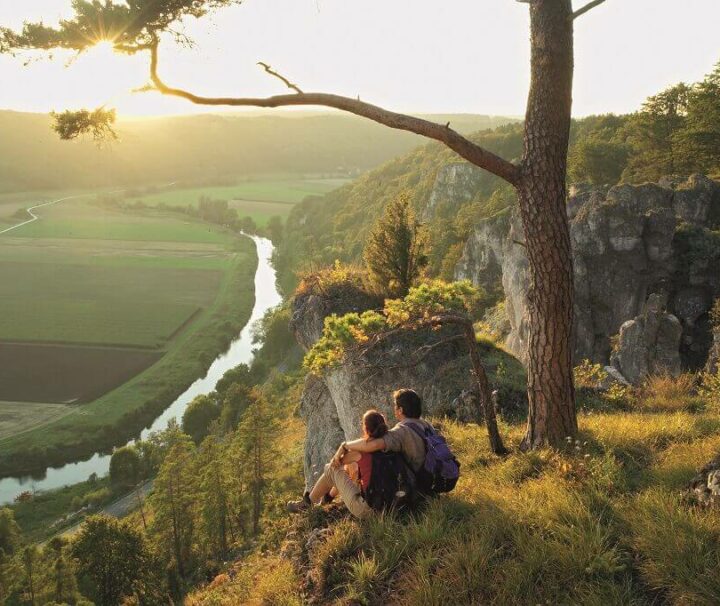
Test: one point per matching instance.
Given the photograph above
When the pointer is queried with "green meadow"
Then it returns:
(259, 199)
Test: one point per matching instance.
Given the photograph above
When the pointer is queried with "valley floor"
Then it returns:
(106, 315)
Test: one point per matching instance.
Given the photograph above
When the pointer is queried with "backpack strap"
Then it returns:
(420, 432)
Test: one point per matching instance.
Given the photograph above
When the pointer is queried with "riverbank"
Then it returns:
(120, 415)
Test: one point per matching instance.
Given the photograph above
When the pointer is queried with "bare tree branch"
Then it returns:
(287, 82)
(586, 8)
(465, 148)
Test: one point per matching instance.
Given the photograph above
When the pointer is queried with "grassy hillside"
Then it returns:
(201, 149)
(604, 521)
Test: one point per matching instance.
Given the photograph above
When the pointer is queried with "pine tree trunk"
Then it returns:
(542, 200)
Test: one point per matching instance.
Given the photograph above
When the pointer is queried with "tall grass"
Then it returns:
(600, 522)
(666, 393)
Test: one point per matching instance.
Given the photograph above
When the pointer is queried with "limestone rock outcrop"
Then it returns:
(455, 184)
(705, 486)
(432, 362)
(649, 344)
(628, 242)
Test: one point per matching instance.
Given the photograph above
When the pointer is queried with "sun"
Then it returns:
(103, 47)
(102, 76)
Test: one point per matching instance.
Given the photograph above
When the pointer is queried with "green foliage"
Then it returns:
(273, 331)
(73, 124)
(125, 467)
(129, 26)
(253, 450)
(275, 229)
(334, 281)
(339, 333)
(700, 139)
(652, 133)
(112, 558)
(431, 299)
(198, 416)
(422, 303)
(587, 374)
(709, 389)
(9, 532)
(394, 252)
(597, 162)
(174, 503)
(215, 524)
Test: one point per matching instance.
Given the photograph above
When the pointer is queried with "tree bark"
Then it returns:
(488, 402)
(542, 200)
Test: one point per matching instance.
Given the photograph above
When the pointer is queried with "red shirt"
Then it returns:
(365, 469)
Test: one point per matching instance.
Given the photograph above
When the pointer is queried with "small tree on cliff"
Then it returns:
(394, 254)
(431, 305)
(539, 177)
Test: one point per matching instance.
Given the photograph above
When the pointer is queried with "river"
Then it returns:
(239, 352)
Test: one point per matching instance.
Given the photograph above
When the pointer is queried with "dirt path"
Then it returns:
(125, 505)
(34, 217)
(117, 509)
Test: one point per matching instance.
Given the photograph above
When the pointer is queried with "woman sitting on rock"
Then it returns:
(349, 476)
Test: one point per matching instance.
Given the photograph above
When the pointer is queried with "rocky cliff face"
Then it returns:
(455, 184)
(434, 363)
(648, 344)
(628, 243)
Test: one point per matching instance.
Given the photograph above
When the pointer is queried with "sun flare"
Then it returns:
(104, 47)
(107, 77)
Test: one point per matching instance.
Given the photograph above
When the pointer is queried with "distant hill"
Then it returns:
(206, 148)
(449, 195)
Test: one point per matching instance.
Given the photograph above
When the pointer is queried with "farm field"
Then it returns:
(284, 190)
(106, 314)
(126, 306)
(16, 417)
(83, 218)
(259, 199)
(67, 374)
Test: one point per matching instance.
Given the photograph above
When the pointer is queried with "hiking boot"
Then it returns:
(299, 506)
(327, 499)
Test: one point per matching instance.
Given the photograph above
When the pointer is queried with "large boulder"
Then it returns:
(628, 242)
(649, 344)
(433, 362)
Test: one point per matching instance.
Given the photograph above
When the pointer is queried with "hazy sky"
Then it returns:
(408, 55)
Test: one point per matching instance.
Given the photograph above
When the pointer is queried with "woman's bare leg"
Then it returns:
(324, 484)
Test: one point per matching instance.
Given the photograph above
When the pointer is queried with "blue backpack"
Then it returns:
(441, 470)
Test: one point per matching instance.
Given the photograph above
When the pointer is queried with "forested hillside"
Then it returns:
(675, 132)
(203, 149)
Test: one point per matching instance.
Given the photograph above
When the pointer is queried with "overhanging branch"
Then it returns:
(285, 81)
(465, 148)
(586, 8)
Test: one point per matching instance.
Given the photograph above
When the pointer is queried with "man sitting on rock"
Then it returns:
(401, 438)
